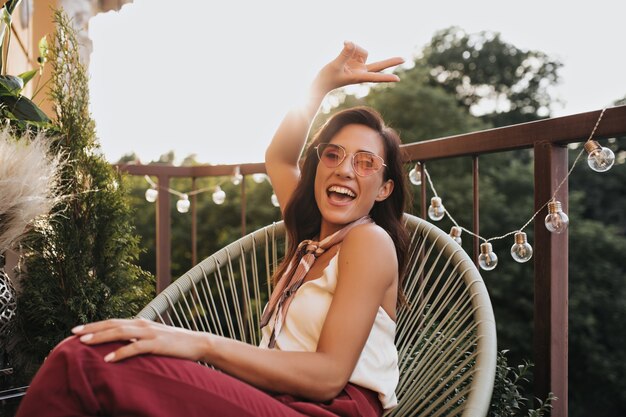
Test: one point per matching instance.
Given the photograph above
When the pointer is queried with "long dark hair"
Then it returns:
(302, 216)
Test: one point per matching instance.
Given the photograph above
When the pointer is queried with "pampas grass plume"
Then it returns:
(29, 183)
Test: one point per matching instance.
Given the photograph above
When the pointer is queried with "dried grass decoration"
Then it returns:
(29, 184)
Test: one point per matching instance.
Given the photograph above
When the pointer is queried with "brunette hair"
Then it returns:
(302, 216)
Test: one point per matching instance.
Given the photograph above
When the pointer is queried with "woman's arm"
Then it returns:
(367, 269)
(283, 153)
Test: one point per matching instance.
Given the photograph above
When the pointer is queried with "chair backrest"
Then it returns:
(446, 337)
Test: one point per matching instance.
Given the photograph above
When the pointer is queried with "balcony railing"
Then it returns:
(548, 139)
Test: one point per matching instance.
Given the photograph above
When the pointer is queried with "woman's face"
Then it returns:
(342, 196)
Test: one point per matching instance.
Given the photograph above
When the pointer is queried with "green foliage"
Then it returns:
(19, 110)
(80, 268)
(508, 399)
(481, 67)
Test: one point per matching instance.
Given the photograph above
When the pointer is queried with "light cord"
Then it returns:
(553, 198)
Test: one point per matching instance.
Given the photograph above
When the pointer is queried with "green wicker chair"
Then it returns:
(446, 338)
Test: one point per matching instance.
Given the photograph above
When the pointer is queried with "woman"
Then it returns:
(328, 330)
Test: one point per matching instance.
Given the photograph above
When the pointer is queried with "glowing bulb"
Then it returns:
(151, 195)
(487, 259)
(521, 251)
(275, 201)
(183, 204)
(455, 233)
(556, 221)
(436, 209)
(600, 159)
(415, 175)
(219, 196)
(258, 178)
(237, 177)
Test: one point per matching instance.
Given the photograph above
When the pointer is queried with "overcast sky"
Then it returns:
(215, 78)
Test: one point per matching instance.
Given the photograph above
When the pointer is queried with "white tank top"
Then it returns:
(377, 367)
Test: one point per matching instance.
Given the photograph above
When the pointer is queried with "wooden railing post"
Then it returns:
(551, 281)
(163, 232)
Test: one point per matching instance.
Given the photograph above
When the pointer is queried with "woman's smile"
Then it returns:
(340, 195)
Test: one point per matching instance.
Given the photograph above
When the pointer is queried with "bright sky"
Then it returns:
(215, 78)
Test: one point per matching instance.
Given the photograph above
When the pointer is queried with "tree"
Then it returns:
(80, 268)
(506, 84)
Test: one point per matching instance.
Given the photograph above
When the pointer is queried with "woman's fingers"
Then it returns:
(384, 64)
(351, 51)
(375, 77)
(127, 351)
(99, 326)
(114, 334)
(145, 336)
(114, 330)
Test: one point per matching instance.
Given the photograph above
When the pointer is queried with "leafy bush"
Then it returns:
(508, 399)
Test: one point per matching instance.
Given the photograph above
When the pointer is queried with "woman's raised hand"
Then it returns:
(145, 337)
(351, 67)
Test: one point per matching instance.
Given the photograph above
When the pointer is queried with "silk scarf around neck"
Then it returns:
(299, 265)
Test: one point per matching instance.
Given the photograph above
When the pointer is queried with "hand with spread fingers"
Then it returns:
(145, 337)
(351, 67)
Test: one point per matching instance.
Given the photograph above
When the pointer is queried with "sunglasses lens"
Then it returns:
(331, 155)
(366, 163)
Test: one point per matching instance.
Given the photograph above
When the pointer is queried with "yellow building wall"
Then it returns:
(24, 47)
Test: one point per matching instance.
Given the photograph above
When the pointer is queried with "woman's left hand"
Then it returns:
(145, 337)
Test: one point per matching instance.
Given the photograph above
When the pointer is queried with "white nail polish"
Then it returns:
(109, 357)
(86, 337)
(78, 328)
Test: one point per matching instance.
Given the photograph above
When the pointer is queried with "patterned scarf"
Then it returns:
(301, 262)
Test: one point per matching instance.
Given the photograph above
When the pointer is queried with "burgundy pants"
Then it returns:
(75, 381)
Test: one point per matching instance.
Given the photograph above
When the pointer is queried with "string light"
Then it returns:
(275, 200)
(556, 221)
(455, 233)
(259, 178)
(183, 204)
(487, 259)
(218, 195)
(436, 211)
(151, 195)
(599, 158)
(237, 177)
(415, 175)
(521, 251)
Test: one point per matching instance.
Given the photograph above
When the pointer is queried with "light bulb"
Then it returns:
(219, 196)
(455, 233)
(600, 159)
(556, 221)
(275, 201)
(436, 209)
(183, 204)
(521, 251)
(487, 259)
(237, 177)
(415, 175)
(151, 195)
(258, 178)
